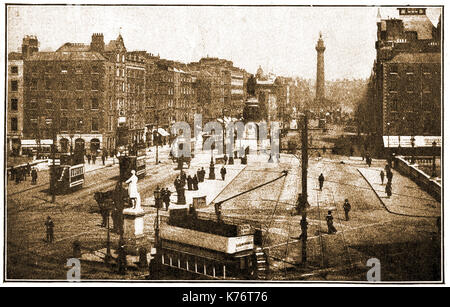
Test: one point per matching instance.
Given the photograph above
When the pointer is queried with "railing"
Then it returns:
(418, 176)
(420, 160)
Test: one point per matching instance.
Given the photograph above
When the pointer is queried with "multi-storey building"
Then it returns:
(136, 89)
(404, 93)
(66, 97)
(14, 103)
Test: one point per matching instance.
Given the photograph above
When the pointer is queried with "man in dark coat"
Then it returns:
(203, 174)
(199, 175)
(382, 176)
(223, 172)
(94, 157)
(388, 189)
(49, 225)
(189, 182)
(347, 208)
(389, 176)
(28, 169)
(89, 158)
(166, 198)
(331, 228)
(103, 158)
(225, 159)
(321, 180)
(34, 175)
(195, 183)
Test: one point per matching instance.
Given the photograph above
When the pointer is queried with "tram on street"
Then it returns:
(207, 249)
(135, 160)
(68, 173)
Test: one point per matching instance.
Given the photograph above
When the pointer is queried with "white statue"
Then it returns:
(133, 191)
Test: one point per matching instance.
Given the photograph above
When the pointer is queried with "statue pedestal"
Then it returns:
(133, 225)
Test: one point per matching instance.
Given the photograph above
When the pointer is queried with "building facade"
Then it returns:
(66, 98)
(404, 92)
(15, 103)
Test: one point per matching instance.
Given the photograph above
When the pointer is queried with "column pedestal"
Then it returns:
(133, 227)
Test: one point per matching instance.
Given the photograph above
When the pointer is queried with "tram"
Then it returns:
(207, 249)
(69, 174)
(133, 161)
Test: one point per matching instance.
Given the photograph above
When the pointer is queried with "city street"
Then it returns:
(397, 231)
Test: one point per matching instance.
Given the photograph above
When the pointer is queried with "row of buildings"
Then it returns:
(85, 94)
(404, 91)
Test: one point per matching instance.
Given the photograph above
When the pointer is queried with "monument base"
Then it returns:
(133, 227)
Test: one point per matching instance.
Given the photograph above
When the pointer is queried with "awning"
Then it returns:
(162, 132)
(393, 141)
(34, 143)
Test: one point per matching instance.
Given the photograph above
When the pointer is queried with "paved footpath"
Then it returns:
(407, 197)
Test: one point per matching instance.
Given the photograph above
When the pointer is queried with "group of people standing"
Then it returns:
(329, 218)
(20, 173)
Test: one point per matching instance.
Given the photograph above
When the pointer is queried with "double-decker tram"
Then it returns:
(201, 248)
(132, 160)
(68, 173)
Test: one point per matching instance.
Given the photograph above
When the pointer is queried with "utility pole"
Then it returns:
(303, 197)
(157, 139)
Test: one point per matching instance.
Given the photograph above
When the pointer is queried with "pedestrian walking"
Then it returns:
(49, 225)
(104, 214)
(225, 159)
(103, 159)
(34, 176)
(199, 175)
(195, 182)
(203, 174)
(223, 172)
(94, 157)
(347, 208)
(331, 228)
(13, 173)
(351, 151)
(24, 173)
(28, 169)
(321, 180)
(89, 158)
(369, 161)
(389, 176)
(382, 176)
(166, 198)
(122, 258)
(189, 182)
(388, 189)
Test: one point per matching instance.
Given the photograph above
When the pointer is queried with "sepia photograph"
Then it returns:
(218, 142)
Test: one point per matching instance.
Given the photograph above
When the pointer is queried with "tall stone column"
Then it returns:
(320, 81)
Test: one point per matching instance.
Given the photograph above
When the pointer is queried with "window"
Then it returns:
(63, 85)
(14, 104)
(34, 125)
(94, 85)
(79, 124)
(48, 103)
(79, 70)
(94, 124)
(410, 84)
(123, 58)
(118, 58)
(64, 103)
(64, 69)
(48, 69)
(14, 123)
(393, 84)
(63, 124)
(393, 69)
(79, 104)
(79, 85)
(14, 70)
(34, 84)
(14, 86)
(394, 105)
(94, 103)
(48, 84)
(33, 103)
(95, 69)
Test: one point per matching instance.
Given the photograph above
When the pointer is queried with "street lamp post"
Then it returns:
(433, 171)
(413, 160)
(108, 239)
(155, 265)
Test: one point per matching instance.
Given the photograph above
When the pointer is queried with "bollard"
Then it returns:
(76, 246)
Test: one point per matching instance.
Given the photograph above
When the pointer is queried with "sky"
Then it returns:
(279, 39)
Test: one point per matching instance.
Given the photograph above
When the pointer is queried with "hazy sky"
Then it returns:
(280, 39)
